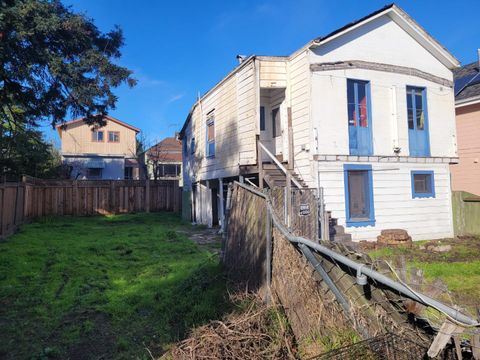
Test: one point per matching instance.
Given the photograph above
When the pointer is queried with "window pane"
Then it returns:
(420, 119)
(211, 148)
(363, 121)
(262, 118)
(100, 136)
(422, 183)
(211, 131)
(351, 115)
(357, 194)
(410, 118)
(351, 91)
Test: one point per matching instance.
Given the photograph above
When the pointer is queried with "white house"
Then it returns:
(366, 112)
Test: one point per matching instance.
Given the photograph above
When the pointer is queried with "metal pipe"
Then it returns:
(380, 278)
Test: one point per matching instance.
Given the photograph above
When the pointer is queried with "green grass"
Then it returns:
(104, 287)
(458, 268)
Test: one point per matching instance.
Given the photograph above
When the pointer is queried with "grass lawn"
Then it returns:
(104, 287)
(458, 268)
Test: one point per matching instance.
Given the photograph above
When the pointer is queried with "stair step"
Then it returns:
(337, 230)
(341, 238)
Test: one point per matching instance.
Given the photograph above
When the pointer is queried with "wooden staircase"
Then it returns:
(338, 234)
(273, 176)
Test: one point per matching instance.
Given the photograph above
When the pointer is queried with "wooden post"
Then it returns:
(111, 202)
(221, 209)
(268, 255)
(76, 200)
(260, 163)
(147, 195)
(291, 157)
(289, 198)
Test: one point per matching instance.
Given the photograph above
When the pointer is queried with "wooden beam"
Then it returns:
(260, 163)
(291, 155)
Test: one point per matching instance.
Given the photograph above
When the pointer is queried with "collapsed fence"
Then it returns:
(327, 288)
(32, 198)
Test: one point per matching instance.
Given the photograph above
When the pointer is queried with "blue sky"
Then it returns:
(180, 48)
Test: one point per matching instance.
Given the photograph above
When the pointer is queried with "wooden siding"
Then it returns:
(273, 73)
(299, 99)
(77, 139)
(424, 219)
(234, 106)
(24, 201)
(466, 174)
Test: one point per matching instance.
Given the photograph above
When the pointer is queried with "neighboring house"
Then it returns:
(466, 174)
(164, 160)
(366, 112)
(96, 153)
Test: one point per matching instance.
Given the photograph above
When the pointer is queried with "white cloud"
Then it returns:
(176, 97)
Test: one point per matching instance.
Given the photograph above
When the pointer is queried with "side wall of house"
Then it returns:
(77, 139)
(466, 174)
(395, 208)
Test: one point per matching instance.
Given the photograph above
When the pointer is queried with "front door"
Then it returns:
(359, 119)
(359, 195)
(418, 140)
(277, 131)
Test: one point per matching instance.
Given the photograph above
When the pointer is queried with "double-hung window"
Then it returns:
(97, 135)
(210, 136)
(423, 184)
(417, 114)
(114, 136)
(359, 117)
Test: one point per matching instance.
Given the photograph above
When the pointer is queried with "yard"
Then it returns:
(456, 262)
(105, 287)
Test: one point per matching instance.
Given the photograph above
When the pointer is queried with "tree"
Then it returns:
(54, 62)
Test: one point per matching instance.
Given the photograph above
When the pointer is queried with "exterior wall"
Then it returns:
(234, 103)
(423, 218)
(273, 72)
(77, 139)
(113, 170)
(383, 41)
(389, 112)
(466, 174)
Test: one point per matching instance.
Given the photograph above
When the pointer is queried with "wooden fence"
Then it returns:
(32, 198)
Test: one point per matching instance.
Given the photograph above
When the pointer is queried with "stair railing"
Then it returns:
(277, 162)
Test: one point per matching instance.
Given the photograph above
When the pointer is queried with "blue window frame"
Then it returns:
(423, 184)
(417, 117)
(262, 118)
(210, 136)
(359, 117)
(359, 205)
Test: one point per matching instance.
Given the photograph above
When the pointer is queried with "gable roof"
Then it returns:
(406, 22)
(467, 83)
(106, 117)
(167, 150)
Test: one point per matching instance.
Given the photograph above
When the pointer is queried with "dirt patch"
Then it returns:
(209, 238)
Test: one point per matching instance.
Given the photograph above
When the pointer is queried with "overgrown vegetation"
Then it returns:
(104, 287)
(457, 265)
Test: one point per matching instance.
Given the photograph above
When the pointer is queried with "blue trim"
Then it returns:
(371, 216)
(430, 194)
(210, 145)
(413, 142)
(363, 146)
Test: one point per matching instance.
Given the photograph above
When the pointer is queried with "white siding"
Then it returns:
(423, 218)
(389, 121)
(383, 41)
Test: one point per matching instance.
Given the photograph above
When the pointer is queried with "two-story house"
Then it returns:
(96, 153)
(366, 113)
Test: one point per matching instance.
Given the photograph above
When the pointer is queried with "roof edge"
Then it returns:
(108, 117)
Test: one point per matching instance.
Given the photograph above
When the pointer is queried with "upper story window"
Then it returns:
(262, 118)
(97, 135)
(114, 136)
(185, 147)
(417, 116)
(192, 146)
(210, 136)
(359, 117)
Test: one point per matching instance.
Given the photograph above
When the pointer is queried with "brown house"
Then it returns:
(164, 160)
(466, 174)
(95, 153)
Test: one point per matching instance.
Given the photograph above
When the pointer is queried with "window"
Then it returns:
(113, 136)
(262, 118)
(192, 146)
(423, 184)
(359, 117)
(94, 173)
(185, 147)
(417, 118)
(97, 136)
(276, 126)
(359, 206)
(128, 174)
(210, 136)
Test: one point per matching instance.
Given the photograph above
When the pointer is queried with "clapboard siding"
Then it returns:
(273, 73)
(394, 206)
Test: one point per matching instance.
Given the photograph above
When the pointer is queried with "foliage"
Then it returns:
(54, 63)
(104, 287)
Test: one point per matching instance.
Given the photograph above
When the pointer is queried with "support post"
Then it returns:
(291, 155)
(260, 163)
(289, 198)
(268, 255)
(147, 195)
(221, 209)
